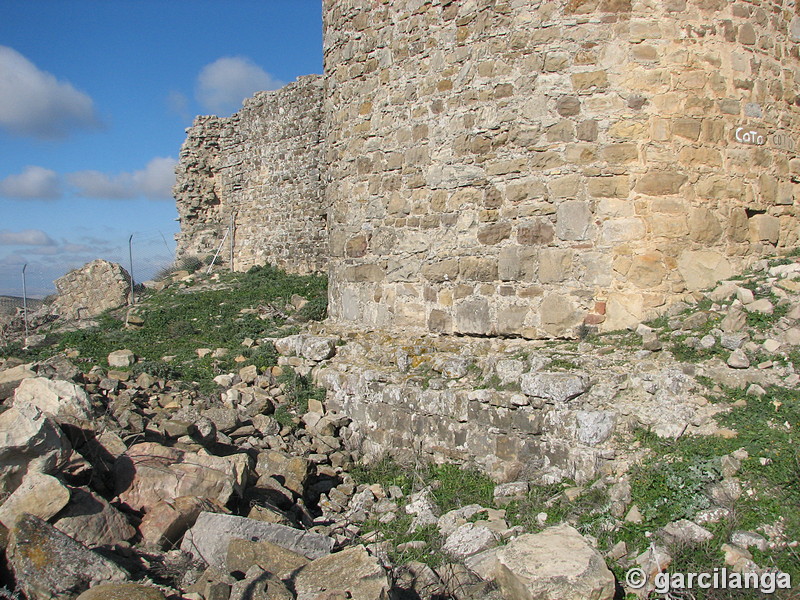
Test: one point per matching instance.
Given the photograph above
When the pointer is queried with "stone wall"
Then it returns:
(509, 167)
(261, 165)
(87, 292)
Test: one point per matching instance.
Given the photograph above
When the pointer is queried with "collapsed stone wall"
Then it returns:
(87, 292)
(261, 167)
(527, 167)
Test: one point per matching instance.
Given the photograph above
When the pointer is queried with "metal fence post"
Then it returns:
(130, 258)
(25, 302)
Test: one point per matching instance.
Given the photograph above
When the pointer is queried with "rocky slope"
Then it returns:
(677, 446)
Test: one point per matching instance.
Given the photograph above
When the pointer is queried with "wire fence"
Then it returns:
(145, 255)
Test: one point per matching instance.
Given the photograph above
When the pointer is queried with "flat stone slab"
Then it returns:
(212, 533)
(558, 387)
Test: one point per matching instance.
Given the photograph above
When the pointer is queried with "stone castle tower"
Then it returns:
(514, 167)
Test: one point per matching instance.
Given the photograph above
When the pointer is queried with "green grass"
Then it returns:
(178, 321)
(298, 390)
(452, 487)
(671, 484)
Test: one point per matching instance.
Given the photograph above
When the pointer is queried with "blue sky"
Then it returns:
(95, 97)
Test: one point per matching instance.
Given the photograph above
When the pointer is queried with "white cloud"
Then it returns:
(225, 83)
(34, 183)
(35, 103)
(26, 237)
(155, 181)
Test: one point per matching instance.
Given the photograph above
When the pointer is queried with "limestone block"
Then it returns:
(704, 226)
(538, 232)
(558, 315)
(29, 441)
(48, 564)
(623, 311)
(620, 153)
(765, 228)
(557, 387)
(39, 495)
(660, 183)
(212, 533)
(574, 220)
(149, 473)
(472, 317)
(474, 268)
(516, 263)
(121, 359)
(555, 265)
(623, 230)
(92, 521)
(54, 397)
(511, 319)
(568, 106)
(647, 270)
(494, 233)
(556, 564)
(701, 269)
(351, 573)
(589, 81)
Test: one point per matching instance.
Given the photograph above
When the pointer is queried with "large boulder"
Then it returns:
(149, 473)
(91, 520)
(165, 523)
(351, 573)
(54, 397)
(50, 565)
(29, 441)
(556, 564)
(38, 494)
(212, 533)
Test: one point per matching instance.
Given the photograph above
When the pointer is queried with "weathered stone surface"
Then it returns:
(92, 521)
(11, 378)
(149, 473)
(29, 441)
(49, 565)
(556, 564)
(122, 591)
(54, 397)
(91, 290)
(260, 585)
(243, 554)
(351, 573)
(256, 163)
(166, 522)
(39, 494)
(312, 347)
(469, 539)
(558, 387)
(211, 534)
(121, 359)
(701, 269)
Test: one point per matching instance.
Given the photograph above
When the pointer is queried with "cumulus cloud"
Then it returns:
(34, 103)
(155, 181)
(26, 237)
(223, 84)
(34, 183)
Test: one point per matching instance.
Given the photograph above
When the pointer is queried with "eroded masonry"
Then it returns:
(513, 168)
(508, 168)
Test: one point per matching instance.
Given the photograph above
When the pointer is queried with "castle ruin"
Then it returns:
(513, 167)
